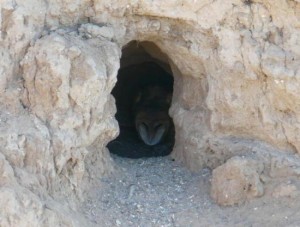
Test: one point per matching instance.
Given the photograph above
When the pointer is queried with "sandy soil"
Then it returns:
(161, 192)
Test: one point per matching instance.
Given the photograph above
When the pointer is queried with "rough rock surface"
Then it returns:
(236, 92)
(236, 181)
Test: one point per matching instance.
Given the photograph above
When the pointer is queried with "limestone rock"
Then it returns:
(236, 181)
(236, 92)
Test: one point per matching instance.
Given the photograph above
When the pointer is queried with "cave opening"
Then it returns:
(143, 95)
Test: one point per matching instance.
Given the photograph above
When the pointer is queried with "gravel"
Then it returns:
(147, 192)
(160, 192)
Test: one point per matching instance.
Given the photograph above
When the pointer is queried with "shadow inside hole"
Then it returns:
(132, 81)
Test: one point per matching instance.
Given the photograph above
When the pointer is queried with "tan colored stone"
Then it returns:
(286, 189)
(236, 92)
(236, 181)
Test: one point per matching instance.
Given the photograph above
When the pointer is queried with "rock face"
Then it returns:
(236, 91)
(236, 181)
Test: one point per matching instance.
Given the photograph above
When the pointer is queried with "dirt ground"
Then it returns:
(161, 192)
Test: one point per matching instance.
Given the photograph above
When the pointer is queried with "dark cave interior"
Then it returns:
(143, 95)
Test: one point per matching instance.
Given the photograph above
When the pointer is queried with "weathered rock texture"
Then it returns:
(237, 91)
(237, 180)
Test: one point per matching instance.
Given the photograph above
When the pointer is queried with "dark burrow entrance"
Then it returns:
(143, 95)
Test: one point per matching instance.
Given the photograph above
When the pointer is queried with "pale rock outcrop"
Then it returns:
(236, 181)
(236, 70)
